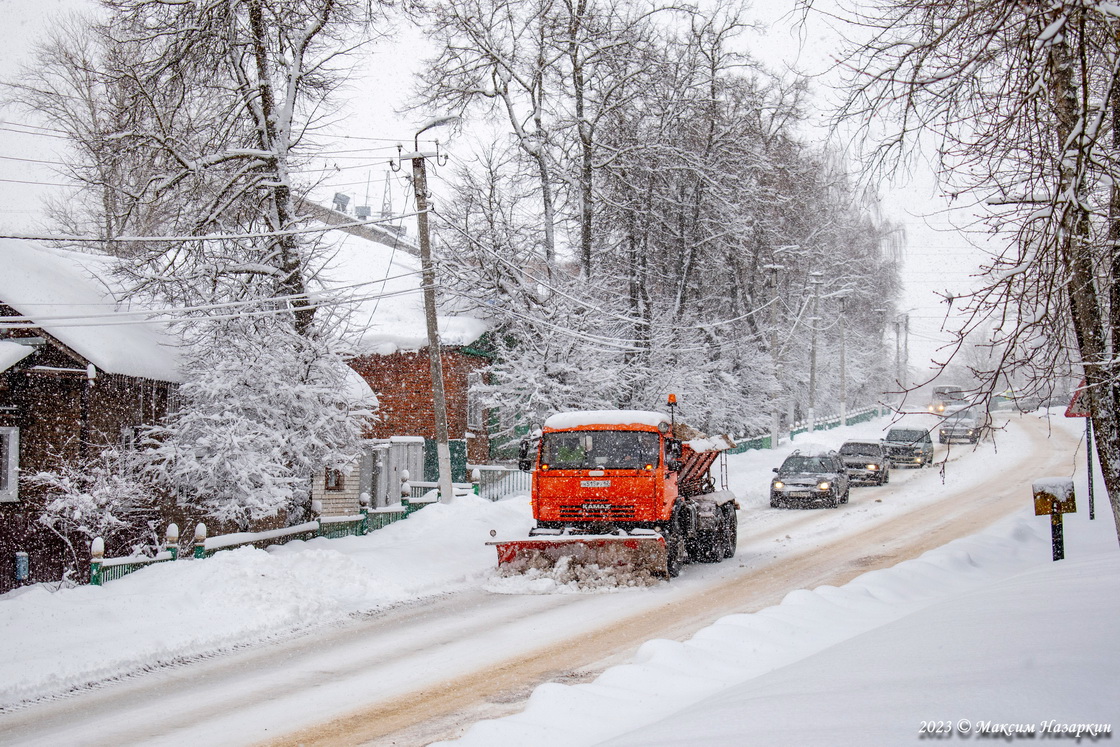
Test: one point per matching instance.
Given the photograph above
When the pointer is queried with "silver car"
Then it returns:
(866, 462)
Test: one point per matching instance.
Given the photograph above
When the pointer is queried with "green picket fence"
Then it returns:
(104, 570)
(489, 481)
(750, 442)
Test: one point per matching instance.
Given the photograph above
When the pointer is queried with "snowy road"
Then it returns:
(425, 670)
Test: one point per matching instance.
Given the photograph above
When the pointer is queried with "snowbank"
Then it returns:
(53, 640)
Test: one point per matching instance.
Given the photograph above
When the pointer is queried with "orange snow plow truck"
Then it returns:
(622, 489)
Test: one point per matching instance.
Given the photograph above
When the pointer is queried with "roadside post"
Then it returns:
(1079, 408)
(1054, 496)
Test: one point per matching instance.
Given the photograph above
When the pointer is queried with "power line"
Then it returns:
(63, 238)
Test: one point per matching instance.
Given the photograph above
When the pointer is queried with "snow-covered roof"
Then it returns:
(12, 353)
(585, 418)
(70, 296)
(386, 312)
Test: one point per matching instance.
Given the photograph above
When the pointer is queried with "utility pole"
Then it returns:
(898, 351)
(843, 365)
(905, 346)
(776, 419)
(428, 273)
(815, 280)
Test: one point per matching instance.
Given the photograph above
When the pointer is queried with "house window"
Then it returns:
(9, 465)
(334, 479)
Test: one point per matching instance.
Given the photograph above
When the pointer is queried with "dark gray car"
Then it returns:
(866, 461)
(807, 478)
(961, 426)
(909, 446)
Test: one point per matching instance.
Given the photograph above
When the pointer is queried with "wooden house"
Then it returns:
(77, 373)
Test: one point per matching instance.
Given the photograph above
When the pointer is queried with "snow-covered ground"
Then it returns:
(984, 637)
(986, 629)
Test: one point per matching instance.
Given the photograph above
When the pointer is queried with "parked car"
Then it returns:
(809, 477)
(866, 461)
(911, 446)
(962, 425)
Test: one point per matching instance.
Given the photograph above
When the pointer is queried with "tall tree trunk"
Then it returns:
(1075, 252)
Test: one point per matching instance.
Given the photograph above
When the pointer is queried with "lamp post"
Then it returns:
(428, 273)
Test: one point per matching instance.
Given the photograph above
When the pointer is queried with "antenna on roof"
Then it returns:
(386, 200)
(363, 211)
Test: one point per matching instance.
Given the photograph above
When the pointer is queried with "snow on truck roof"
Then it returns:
(589, 418)
(563, 420)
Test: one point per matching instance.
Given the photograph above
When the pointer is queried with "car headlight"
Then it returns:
(824, 485)
(778, 485)
(873, 467)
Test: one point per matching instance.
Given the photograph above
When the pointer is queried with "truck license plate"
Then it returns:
(595, 483)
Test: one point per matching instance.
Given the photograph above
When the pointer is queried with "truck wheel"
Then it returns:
(673, 547)
(705, 546)
(730, 531)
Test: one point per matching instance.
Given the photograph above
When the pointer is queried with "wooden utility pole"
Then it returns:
(428, 273)
(815, 280)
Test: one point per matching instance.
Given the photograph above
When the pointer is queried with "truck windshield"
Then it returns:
(600, 450)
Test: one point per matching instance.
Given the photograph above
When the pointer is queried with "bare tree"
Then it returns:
(191, 119)
(1017, 94)
(696, 181)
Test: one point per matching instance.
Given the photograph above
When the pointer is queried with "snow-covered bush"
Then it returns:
(99, 496)
(261, 409)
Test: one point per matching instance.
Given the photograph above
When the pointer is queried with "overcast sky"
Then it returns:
(937, 258)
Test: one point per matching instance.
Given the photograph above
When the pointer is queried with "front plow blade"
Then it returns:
(637, 554)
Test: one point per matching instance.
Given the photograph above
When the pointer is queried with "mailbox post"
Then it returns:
(1054, 496)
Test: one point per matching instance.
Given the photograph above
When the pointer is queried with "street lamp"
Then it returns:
(428, 273)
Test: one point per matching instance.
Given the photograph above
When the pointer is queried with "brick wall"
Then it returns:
(403, 383)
